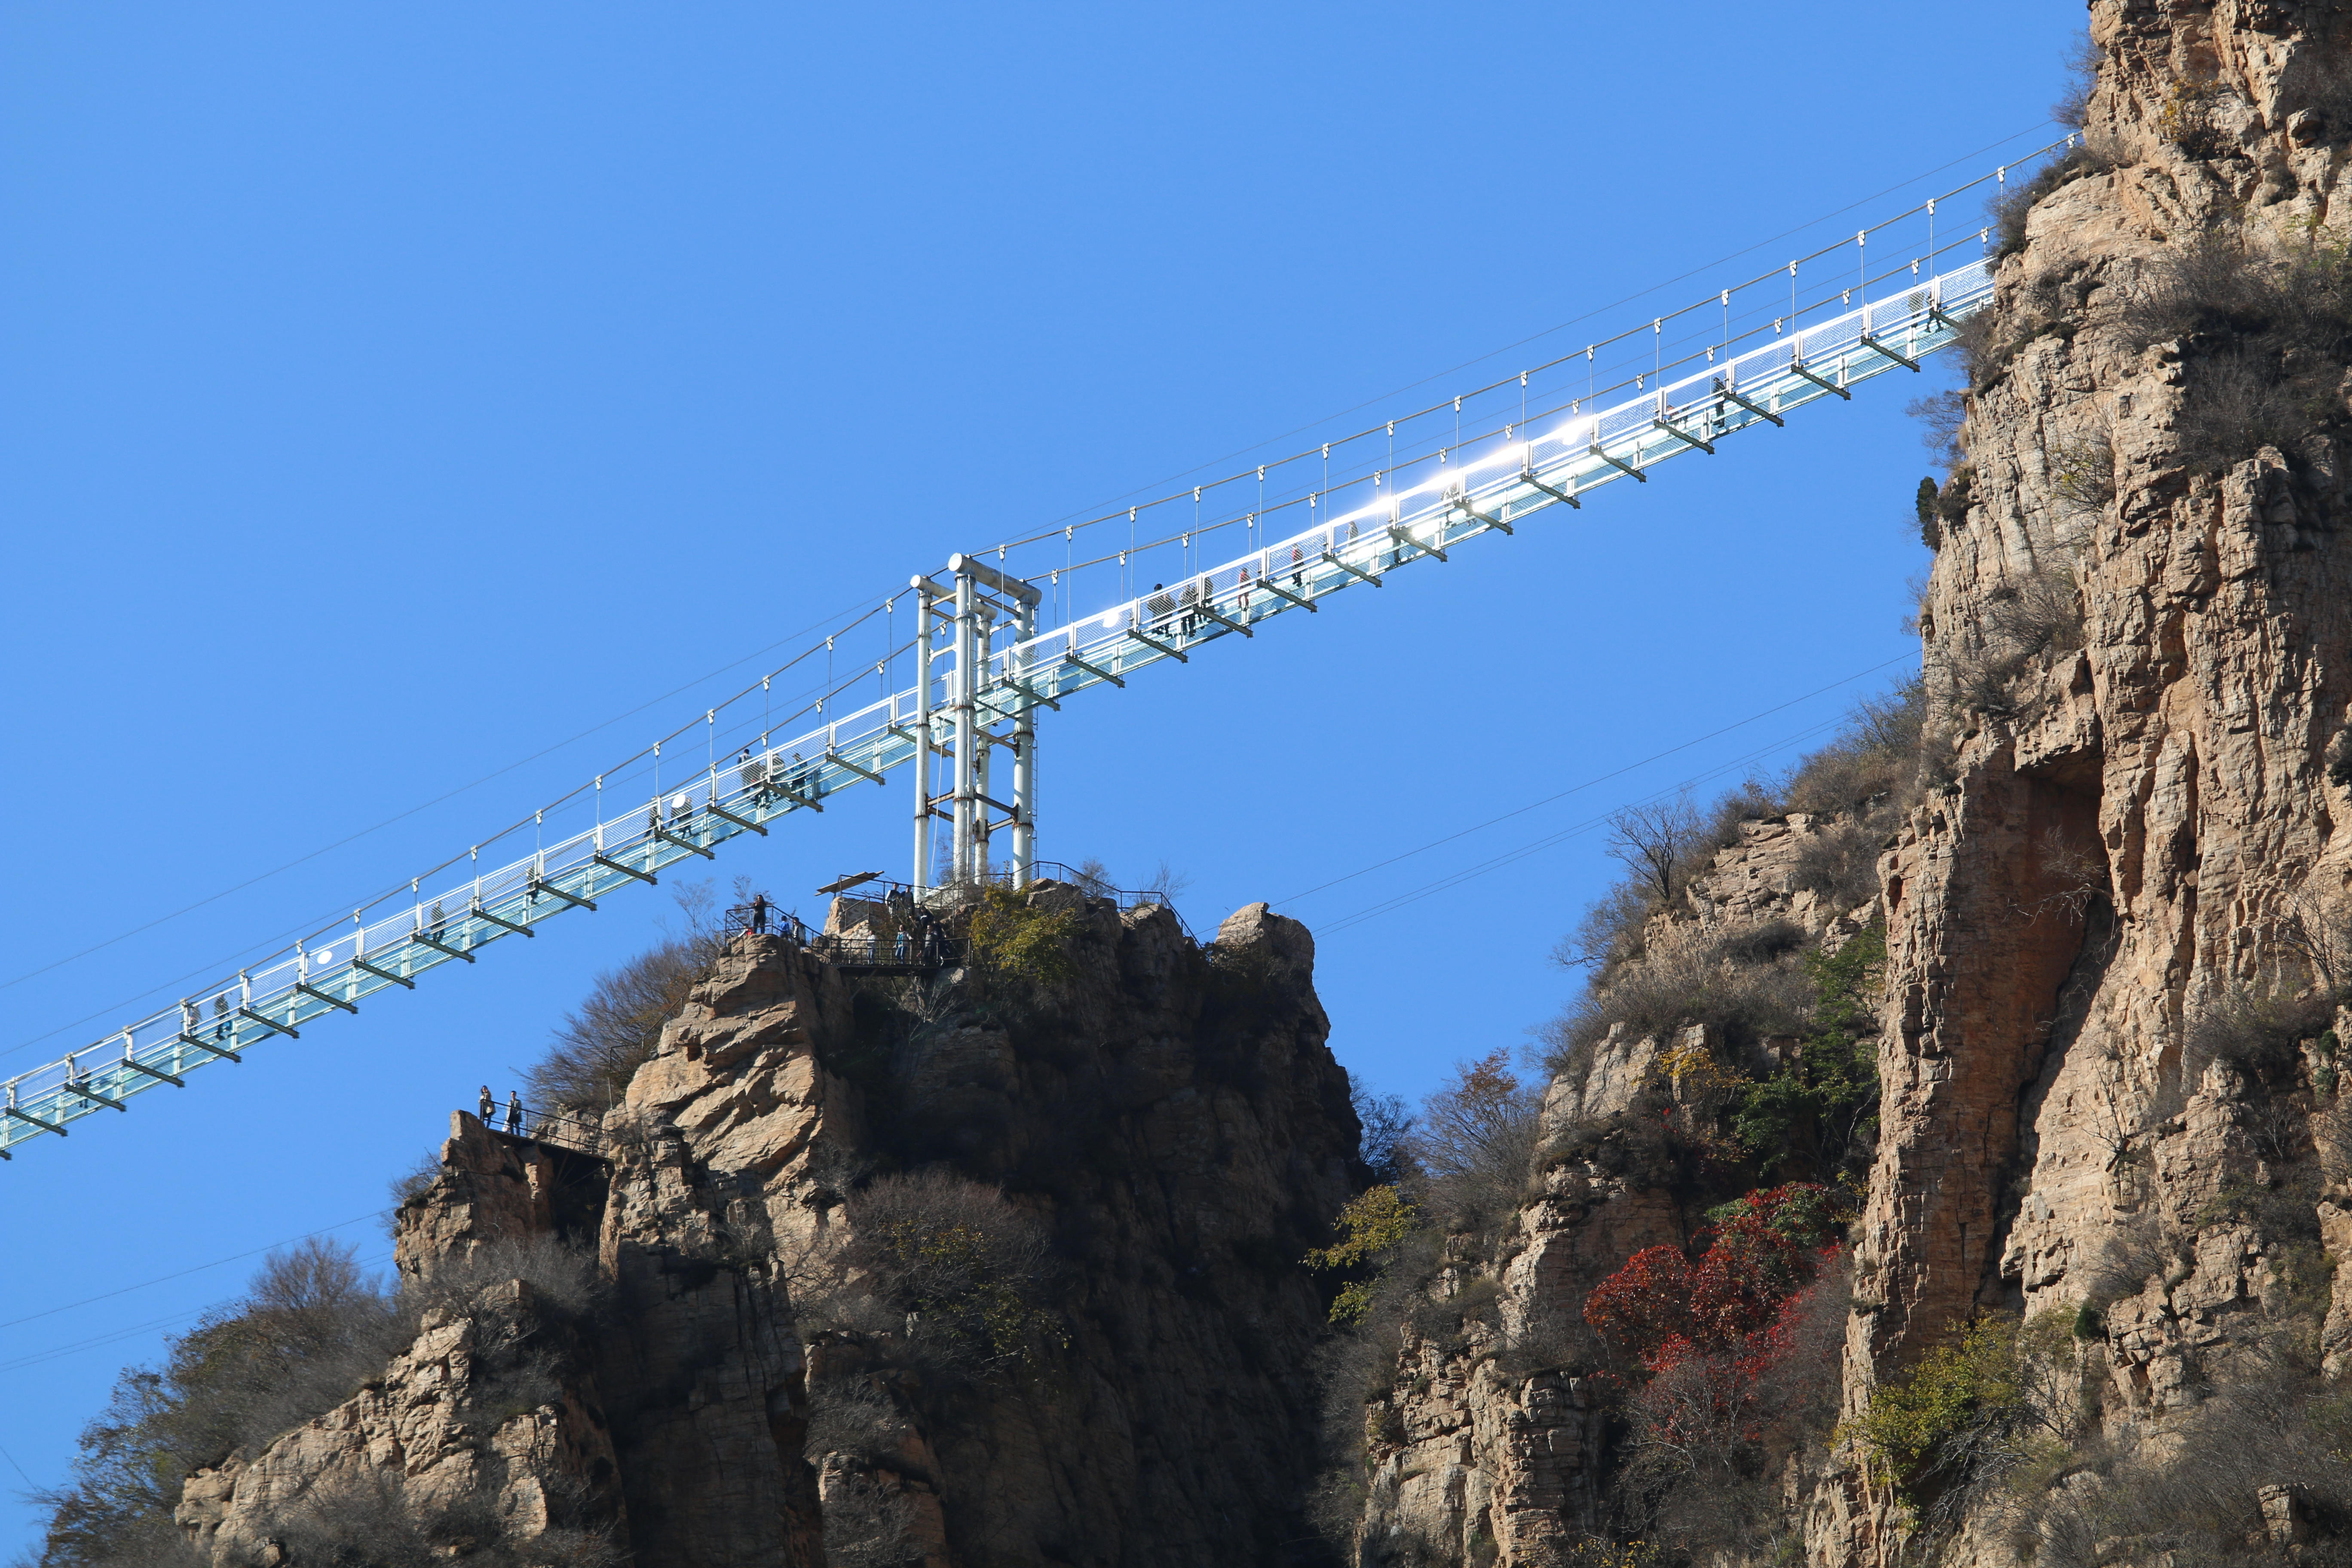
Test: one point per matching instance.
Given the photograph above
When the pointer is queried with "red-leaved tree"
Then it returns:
(1738, 1339)
(1664, 1306)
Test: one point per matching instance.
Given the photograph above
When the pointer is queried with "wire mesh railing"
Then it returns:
(663, 809)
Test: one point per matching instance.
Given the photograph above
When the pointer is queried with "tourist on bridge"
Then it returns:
(489, 1107)
(514, 1113)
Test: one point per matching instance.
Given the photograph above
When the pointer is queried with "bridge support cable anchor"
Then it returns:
(1760, 412)
(282, 1028)
(1825, 386)
(1623, 468)
(215, 1050)
(688, 845)
(1681, 435)
(365, 967)
(28, 1116)
(1158, 647)
(646, 877)
(723, 815)
(137, 1065)
(1527, 478)
(439, 946)
(1096, 670)
(1407, 541)
(1904, 361)
(482, 914)
(317, 995)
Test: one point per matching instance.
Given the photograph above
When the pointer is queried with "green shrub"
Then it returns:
(961, 1272)
(1009, 935)
(1375, 1224)
(1820, 1111)
(1997, 1394)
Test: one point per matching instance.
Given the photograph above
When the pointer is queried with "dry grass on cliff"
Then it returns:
(2032, 616)
(311, 1328)
(940, 1274)
(1686, 975)
(2204, 1488)
(2265, 334)
(2259, 1030)
(599, 1047)
(1745, 984)
(371, 1522)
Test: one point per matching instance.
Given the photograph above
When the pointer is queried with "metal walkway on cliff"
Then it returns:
(999, 667)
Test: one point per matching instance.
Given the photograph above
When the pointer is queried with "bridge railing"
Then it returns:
(1488, 491)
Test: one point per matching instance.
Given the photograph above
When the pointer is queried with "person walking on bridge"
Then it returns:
(489, 1107)
(514, 1112)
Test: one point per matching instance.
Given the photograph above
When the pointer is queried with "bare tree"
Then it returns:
(1476, 1135)
(1653, 839)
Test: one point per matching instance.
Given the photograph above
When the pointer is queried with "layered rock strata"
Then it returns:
(1169, 1117)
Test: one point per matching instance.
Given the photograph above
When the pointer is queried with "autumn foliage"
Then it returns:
(1738, 1345)
(1664, 1306)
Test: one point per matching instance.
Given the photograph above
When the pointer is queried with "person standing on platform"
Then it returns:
(489, 1107)
(514, 1113)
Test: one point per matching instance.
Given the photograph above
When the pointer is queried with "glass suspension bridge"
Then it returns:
(980, 667)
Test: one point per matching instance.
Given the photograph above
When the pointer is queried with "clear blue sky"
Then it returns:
(391, 395)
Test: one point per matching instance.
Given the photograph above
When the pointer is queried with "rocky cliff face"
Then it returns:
(2140, 833)
(1493, 1444)
(2115, 921)
(2116, 916)
(736, 1384)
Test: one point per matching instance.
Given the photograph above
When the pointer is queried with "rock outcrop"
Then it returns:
(1168, 1119)
(2129, 838)
(2117, 917)
(1492, 1444)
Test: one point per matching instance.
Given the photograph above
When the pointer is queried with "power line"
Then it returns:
(195, 1268)
(1603, 778)
(1509, 856)
(116, 1335)
(1063, 523)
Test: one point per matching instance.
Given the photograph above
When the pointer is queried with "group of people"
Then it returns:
(514, 1110)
